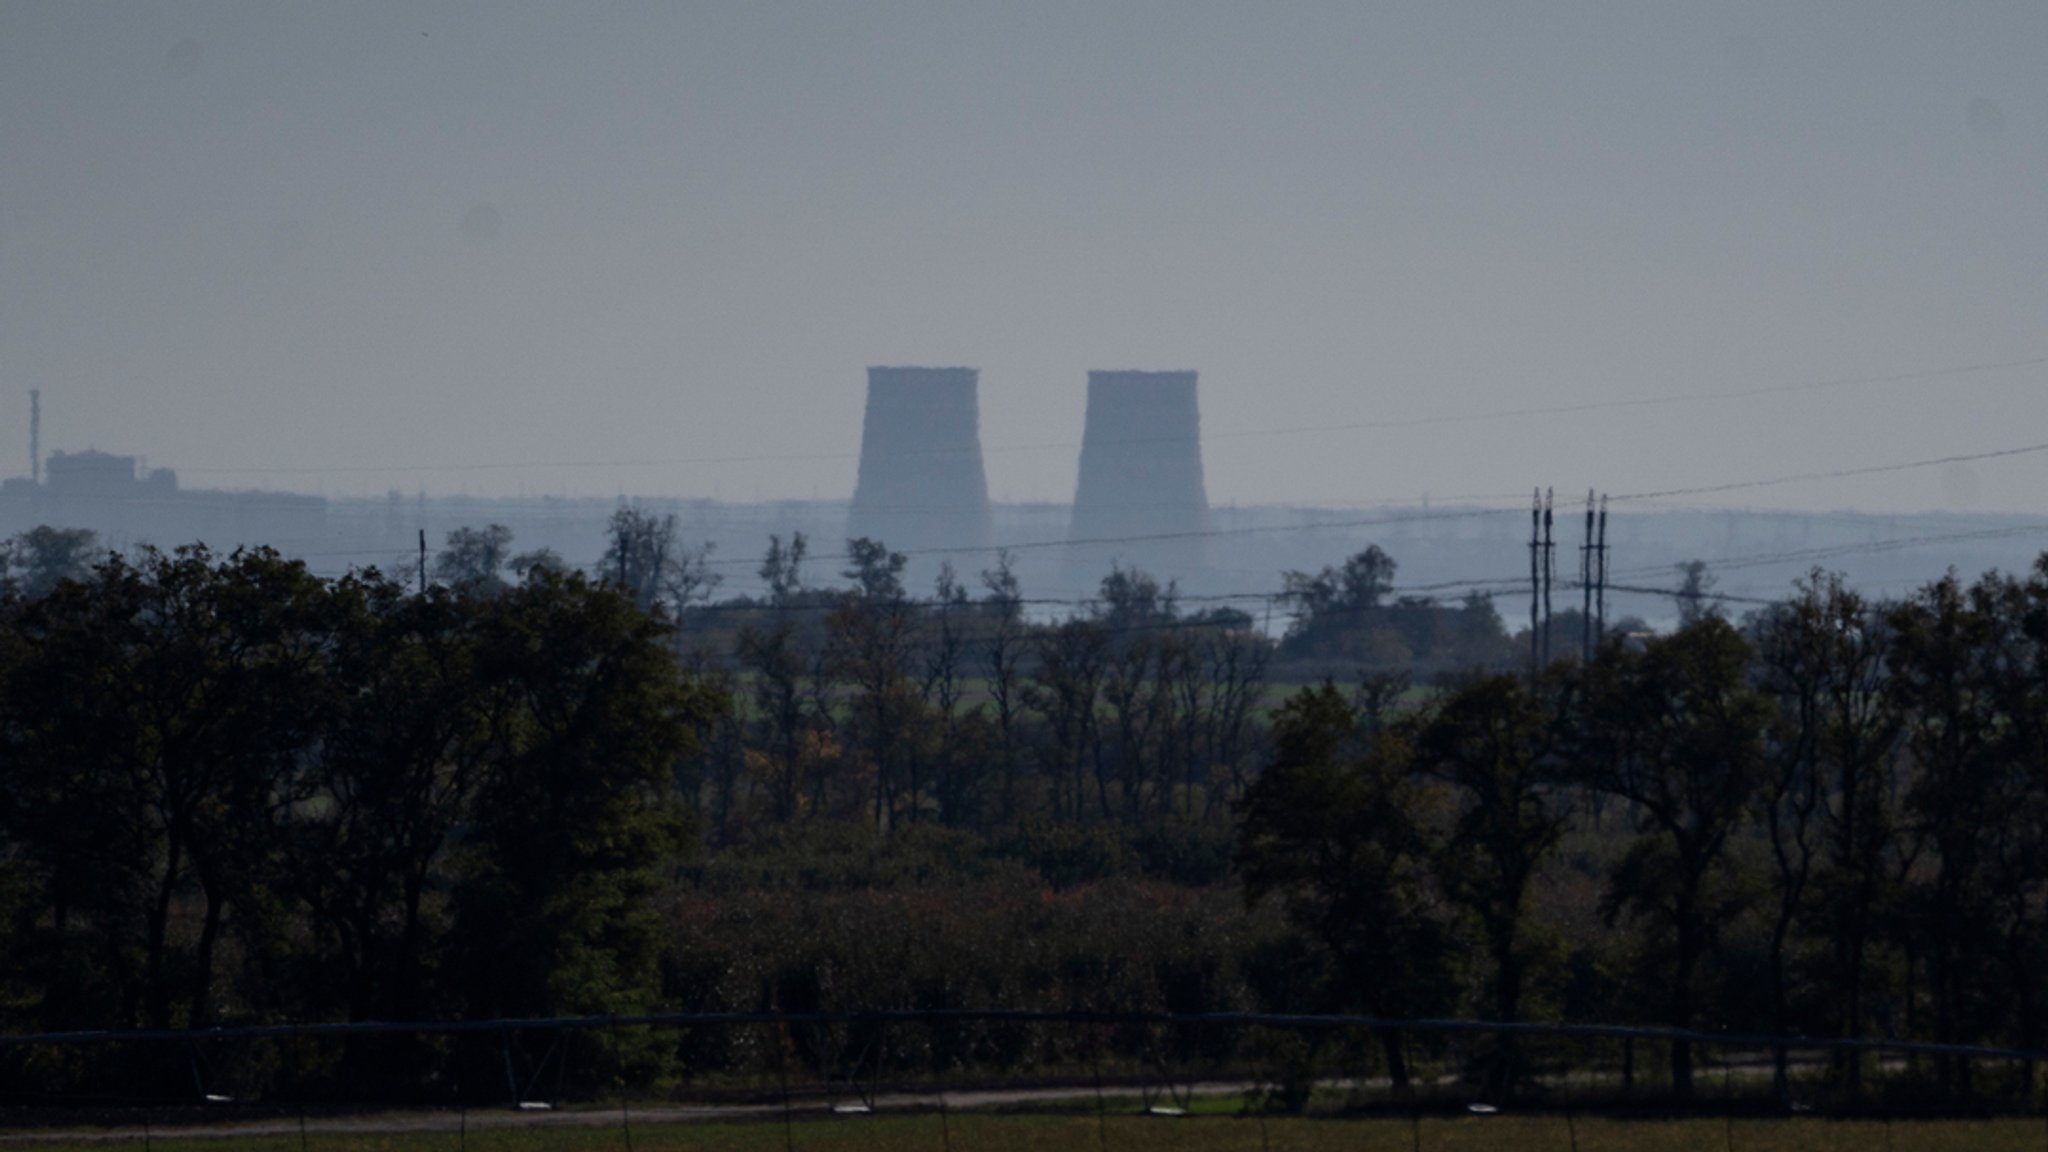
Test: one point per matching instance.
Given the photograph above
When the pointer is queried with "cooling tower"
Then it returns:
(921, 483)
(1141, 477)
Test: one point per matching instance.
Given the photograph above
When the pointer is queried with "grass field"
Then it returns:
(998, 1132)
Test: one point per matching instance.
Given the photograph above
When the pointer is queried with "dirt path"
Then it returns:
(444, 1120)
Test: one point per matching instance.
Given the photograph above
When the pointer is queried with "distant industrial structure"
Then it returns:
(127, 505)
(921, 483)
(1140, 500)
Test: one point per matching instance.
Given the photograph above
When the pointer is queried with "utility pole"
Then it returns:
(1600, 567)
(1535, 583)
(1549, 566)
(423, 561)
(35, 435)
(1586, 587)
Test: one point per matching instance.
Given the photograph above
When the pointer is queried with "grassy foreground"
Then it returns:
(995, 1132)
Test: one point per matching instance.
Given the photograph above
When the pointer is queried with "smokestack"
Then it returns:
(35, 435)
(921, 482)
(1141, 476)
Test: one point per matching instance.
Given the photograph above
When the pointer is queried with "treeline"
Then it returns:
(1830, 821)
(232, 791)
(977, 707)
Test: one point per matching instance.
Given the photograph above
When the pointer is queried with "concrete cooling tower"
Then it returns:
(1141, 476)
(921, 482)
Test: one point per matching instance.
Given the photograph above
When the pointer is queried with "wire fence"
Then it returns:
(946, 1079)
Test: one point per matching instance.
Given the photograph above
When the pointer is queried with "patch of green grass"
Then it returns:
(1010, 1132)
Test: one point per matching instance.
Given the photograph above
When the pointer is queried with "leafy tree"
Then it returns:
(547, 560)
(1826, 804)
(1950, 651)
(1334, 830)
(400, 765)
(876, 572)
(473, 559)
(1676, 731)
(1694, 600)
(34, 562)
(1502, 746)
(161, 710)
(575, 814)
(782, 568)
(1359, 586)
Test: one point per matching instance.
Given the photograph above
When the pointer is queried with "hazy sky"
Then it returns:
(544, 248)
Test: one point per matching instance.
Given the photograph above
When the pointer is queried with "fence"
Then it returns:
(943, 1075)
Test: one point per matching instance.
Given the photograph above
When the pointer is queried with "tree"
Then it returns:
(876, 572)
(645, 556)
(779, 655)
(473, 559)
(36, 561)
(525, 564)
(942, 684)
(1825, 802)
(1694, 601)
(576, 812)
(1949, 646)
(1064, 685)
(1359, 586)
(1676, 731)
(782, 568)
(163, 711)
(400, 763)
(1501, 745)
(869, 648)
(1233, 658)
(1004, 655)
(1333, 829)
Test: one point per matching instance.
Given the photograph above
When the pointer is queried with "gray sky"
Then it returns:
(582, 249)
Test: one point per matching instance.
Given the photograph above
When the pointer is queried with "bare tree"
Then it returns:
(646, 557)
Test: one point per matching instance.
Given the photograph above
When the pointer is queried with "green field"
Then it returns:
(998, 1132)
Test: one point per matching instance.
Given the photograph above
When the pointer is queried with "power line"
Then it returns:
(1285, 430)
(1836, 474)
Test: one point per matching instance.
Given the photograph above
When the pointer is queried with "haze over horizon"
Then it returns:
(525, 248)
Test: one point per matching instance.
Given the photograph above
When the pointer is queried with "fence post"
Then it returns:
(788, 1119)
(1260, 1094)
(625, 1105)
(1101, 1108)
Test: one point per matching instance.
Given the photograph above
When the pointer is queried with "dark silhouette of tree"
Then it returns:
(575, 816)
(473, 559)
(1004, 652)
(1826, 804)
(1333, 830)
(34, 562)
(1676, 732)
(1502, 746)
(870, 649)
(160, 708)
(1695, 601)
(1947, 655)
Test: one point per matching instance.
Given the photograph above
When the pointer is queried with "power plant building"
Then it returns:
(921, 484)
(1140, 500)
(127, 505)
